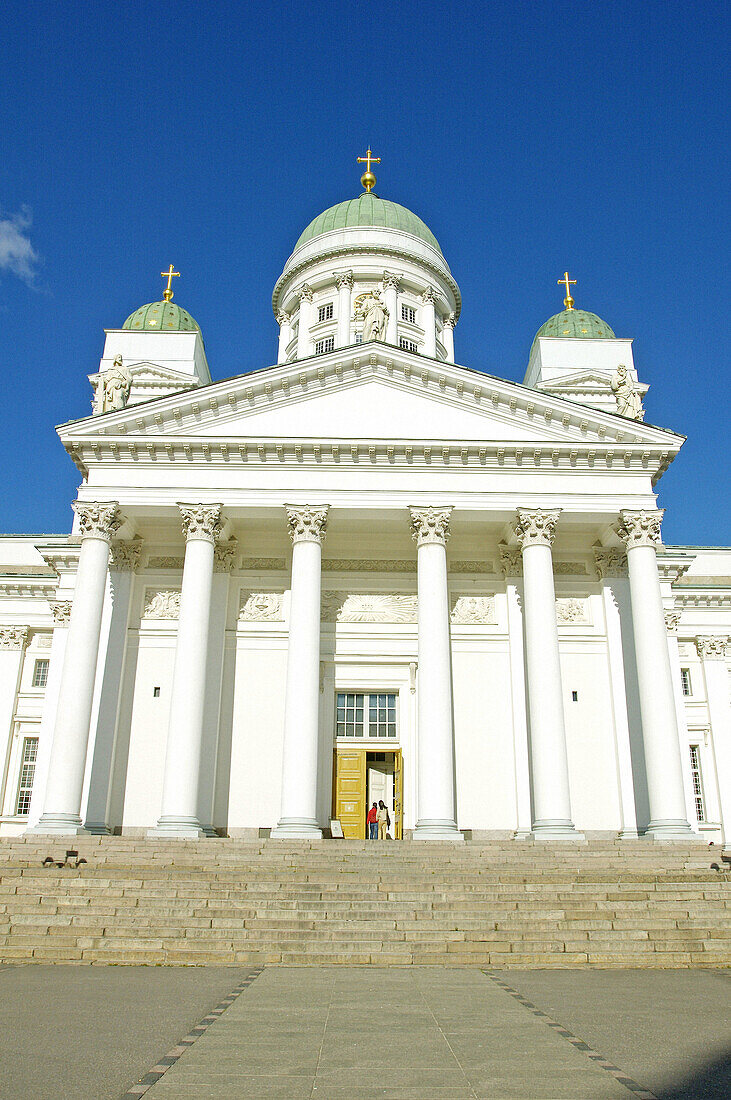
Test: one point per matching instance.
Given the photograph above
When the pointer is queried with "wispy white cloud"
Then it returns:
(17, 254)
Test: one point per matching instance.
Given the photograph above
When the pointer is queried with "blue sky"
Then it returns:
(530, 137)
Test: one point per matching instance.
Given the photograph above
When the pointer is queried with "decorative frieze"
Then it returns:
(571, 611)
(712, 647)
(471, 567)
(257, 565)
(473, 611)
(261, 607)
(536, 527)
(639, 528)
(569, 569)
(13, 637)
(98, 521)
(368, 565)
(430, 525)
(61, 611)
(124, 555)
(368, 608)
(201, 521)
(166, 563)
(307, 523)
(162, 603)
(610, 561)
(224, 556)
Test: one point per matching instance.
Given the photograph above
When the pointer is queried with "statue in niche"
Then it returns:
(113, 388)
(629, 402)
(371, 309)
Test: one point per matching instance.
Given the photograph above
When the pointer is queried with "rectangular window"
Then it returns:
(408, 313)
(322, 346)
(325, 313)
(365, 715)
(40, 673)
(27, 772)
(685, 681)
(695, 771)
(408, 345)
(359, 337)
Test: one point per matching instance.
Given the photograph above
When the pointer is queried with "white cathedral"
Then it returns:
(365, 573)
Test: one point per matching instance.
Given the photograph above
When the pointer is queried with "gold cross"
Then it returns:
(169, 275)
(568, 300)
(368, 179)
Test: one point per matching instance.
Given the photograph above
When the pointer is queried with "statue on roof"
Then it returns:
(629, 402)
(112, 391)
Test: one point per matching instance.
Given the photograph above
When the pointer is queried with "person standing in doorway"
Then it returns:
(383, 821)
(372, 822)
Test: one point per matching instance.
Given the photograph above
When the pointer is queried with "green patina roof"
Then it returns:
(161, 317)
(578, 324)
(368, 210)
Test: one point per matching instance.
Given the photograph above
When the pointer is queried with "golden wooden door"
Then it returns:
(398, 798)
(350, 791)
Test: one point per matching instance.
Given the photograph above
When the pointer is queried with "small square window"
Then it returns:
(323, 346)
(325, 313)
(156, 693)
(685, 681)
(40, 673)
(408, 313)
(408, 345)
(574, 696)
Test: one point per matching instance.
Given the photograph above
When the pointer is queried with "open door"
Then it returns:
(398, 798)
(350, 791)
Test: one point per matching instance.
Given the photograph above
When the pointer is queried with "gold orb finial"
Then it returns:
(368, 179)
(568, 300)
(169, 275)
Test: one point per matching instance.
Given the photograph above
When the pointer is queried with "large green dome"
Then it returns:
(161, 317)
(368, 210)
(576, 324)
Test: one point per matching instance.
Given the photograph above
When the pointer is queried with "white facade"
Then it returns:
(477, 560)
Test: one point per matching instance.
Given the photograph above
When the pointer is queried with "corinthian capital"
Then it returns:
(125, 555)
(61, 611)
(429, 295)
(640, 528)
(450, 320)
(343, 279)
(536, 528)
(13, 637)
(391, 280)
(511, 560)
(307, 523)
(305, 291)
(430, 525)
(712, 647)
(610, 562)
(201, 521)
(283, 317)
(98, 521)
(224, 556)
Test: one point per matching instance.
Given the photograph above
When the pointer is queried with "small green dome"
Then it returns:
(161, 317)
(577, 324)
(368, 210)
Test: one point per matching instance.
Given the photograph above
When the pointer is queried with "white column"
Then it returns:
(436, 817)
(344, 283)
(640, 531)
(307, 526)
(284, 321)
(62, 804)
(448, 336)
(535, 531)
(61, 611)
(179, 810)
(391, 284)
(712, 652)
(611, 566)
(305, 322)
(429, 322)
(512, 568)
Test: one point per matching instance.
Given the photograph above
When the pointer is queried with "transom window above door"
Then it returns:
(366, 714)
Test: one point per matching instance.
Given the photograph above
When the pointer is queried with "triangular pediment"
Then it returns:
(367, 397)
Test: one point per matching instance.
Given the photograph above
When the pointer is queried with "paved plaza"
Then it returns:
(361, 1033)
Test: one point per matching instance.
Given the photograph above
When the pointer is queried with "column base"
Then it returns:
(296, 828)
(628, 834)
(435, 828)
(184, 828)
(669, 829)
(522, 834)
(554, 828)
(98, 828)
(58, 825)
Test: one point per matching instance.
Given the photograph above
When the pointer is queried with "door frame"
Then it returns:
(398, 781)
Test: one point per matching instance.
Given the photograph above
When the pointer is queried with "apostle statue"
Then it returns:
(629, 402)
(113, 388)
(374, 315)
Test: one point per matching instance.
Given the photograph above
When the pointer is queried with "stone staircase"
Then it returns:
(498, 904)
